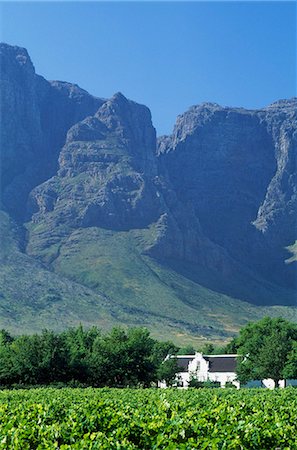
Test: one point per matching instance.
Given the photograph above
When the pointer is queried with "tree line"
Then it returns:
(83, 357)
(120, 358)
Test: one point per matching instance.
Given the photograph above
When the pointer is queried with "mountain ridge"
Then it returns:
(211, 207)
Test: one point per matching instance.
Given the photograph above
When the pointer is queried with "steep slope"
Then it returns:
(277, 215)
(33, 298)
(104, 229)
(236, 169)
(35, 116)
(106, 172)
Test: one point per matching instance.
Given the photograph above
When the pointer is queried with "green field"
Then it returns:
(148, 419)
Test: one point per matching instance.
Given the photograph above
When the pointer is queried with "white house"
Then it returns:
(219, 368)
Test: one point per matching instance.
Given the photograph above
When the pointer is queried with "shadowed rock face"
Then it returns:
(35, 117)
(220, 192)
(21, 134)
(217, 168)
(277, 214)
(237, 170)
(107, 171)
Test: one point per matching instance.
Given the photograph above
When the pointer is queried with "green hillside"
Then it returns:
(185, 234)
(126, 286)
(33, 298)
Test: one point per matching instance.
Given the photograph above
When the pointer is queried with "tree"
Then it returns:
(124, 358)
(208, 348)
(188, 350)
(139, 348)
(6, 365)
(266, 349)
(5, 337)
(52, 360)
(162, 349)
(79, 343)
(167, 371)
(231, 347)
(290, 370)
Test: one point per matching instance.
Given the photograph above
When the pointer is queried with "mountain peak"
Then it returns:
(13, 49)
(167, 236)
(14, 55)
(283, 103)
(119, 97)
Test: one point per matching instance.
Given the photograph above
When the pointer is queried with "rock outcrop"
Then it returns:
(237, 170)
(216, 200)
(107, 171)
(35, 117)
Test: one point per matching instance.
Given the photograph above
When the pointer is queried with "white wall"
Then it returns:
(199, 368)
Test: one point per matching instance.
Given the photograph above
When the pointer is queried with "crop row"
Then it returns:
(148, 419)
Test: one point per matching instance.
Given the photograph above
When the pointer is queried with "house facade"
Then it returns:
(217, 368)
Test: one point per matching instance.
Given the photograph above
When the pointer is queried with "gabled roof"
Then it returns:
(221, 363)
(183, 361)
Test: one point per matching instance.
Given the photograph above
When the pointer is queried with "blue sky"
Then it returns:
(167, 55)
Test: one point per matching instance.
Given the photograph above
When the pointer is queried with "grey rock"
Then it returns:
(237, 171)
(106, 172)
(35, 117)
(220, 192)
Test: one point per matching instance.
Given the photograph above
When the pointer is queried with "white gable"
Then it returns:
(219, 368)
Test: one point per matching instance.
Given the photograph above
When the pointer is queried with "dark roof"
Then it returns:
(183, 362)
(224, 363)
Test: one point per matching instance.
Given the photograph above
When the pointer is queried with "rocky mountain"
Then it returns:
(104, 223)
(237, 171)
(35, 117)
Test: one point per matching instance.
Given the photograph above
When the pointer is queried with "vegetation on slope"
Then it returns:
(99, 277)
(110, 262)
(121, 358)
(33, 297)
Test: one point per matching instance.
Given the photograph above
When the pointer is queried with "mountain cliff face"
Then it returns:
(108, 167)
(162, 231)
(237, 170)
(35, 117)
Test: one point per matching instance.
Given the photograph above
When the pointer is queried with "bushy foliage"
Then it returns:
(88, 357)
(120, 358)
(70, 419)
(167, 371)
(268, 349)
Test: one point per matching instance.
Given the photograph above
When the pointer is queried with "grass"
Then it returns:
(167, 302)
(101, 277)
(33, 297)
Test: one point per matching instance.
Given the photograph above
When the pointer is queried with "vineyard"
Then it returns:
(148, 419)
